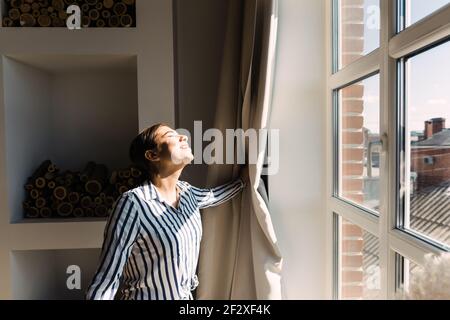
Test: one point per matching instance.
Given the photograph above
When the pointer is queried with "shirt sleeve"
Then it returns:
(215, 196)
(121, 230)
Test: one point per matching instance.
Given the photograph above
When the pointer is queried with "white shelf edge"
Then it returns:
(55, 235)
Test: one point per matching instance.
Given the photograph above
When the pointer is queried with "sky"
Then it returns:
(428, 74)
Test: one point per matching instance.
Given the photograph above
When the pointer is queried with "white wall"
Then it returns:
(27, 126)
(103, 112)
(297, 191)
(51, 266)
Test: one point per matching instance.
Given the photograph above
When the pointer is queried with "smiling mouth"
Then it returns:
(185, 147)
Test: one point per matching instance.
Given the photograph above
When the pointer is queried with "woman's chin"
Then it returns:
(183, 159)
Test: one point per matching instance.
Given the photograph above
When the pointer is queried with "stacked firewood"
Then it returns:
(52, 13)
(92, 192)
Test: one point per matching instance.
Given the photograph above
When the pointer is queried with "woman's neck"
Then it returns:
(166, 182)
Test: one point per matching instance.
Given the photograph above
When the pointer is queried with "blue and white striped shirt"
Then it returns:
(152, 248)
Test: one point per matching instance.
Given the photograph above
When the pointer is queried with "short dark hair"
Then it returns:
(146, 140)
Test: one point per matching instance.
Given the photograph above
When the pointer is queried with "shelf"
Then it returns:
(44, 274)
(70, 109)
(56, 235)
(61, 40)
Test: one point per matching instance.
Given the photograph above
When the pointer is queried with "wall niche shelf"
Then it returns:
(53, 13)
(43, 274)
(68, 108)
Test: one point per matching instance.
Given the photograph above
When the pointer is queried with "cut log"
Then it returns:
(58, 5)
(45, 212)
(126, 20)
(36, 14)
(14, 14)
(98, 201)
(25, 7)
(40, 202)
(85, 21)
(78, 212)
(114, 21)
(50, 175)
(73, 197)
(86, 202)
(8, 22)
(99, 6)
(97, 180)
(89, 212)
(94, 14)
(62, 15)
(106, 14)
(109, 201)
(128, 2)
(43, 3)
(85, 7)
(57, 22)
(40, 182)
(35, 193)
(41, 170)
(60, 193)
(27, 20)
(65, 209)
(101, 211)
(51, 185)
(100, 23)
(35, 6)
(29, 185)
(16, 3)
(32, 212)
(108, 4)
(120, 8)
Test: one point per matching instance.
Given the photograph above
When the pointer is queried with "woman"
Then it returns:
(152, 238)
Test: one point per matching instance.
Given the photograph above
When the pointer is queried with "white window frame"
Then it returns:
(393, 46)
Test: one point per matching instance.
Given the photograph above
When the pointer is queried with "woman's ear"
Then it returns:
(151, 155)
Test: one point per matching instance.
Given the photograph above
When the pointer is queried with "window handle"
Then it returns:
(377, 146)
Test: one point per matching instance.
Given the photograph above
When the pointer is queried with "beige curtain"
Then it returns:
(239, 256)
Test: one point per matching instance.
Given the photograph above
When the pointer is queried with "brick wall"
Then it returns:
(352, 167)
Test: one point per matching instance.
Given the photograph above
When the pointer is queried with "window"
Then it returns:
(388, 136)
(406, 268)
(358, 29)
(427, 144)
(359, 131)
(359, 263)
(416, 10)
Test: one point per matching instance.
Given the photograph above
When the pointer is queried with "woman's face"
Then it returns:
(173, 147)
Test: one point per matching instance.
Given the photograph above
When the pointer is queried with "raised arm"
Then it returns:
(214, 196)
(120, 232)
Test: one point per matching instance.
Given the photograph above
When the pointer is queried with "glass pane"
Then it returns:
(359, 29)
(359, 263)
(419, 9)
(427, 206)
(359, 132)
(406, 269)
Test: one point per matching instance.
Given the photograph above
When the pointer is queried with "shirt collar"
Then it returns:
(151, 193)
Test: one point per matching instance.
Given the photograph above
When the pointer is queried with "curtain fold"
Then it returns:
(239, 257)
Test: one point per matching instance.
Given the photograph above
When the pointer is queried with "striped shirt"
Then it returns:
(152, 248)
